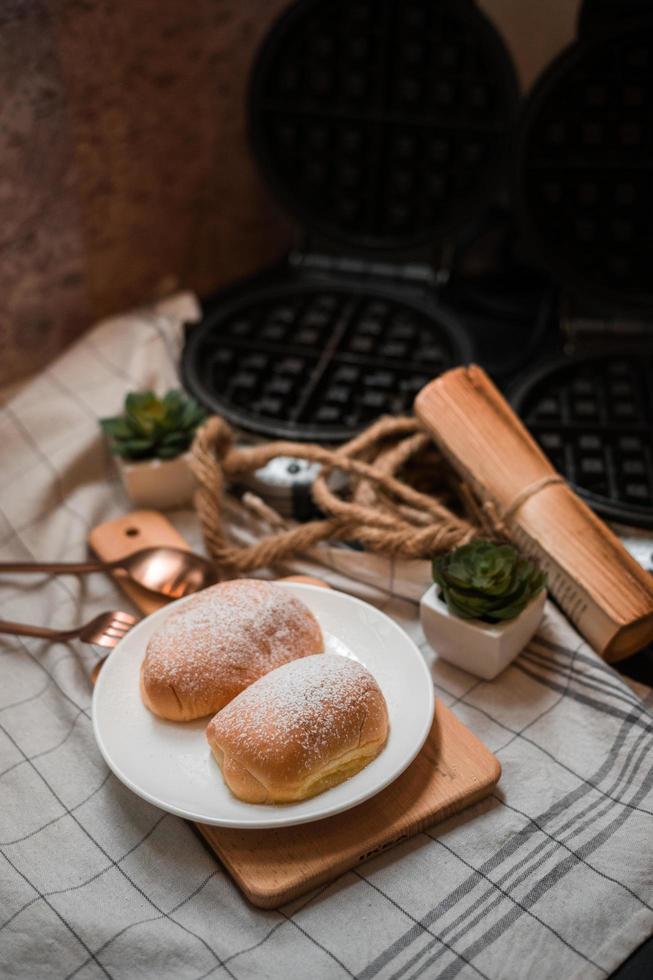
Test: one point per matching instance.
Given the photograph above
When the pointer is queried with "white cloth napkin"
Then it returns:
(552, 876)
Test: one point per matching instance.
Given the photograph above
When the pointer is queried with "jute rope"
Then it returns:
(499, 519)
(381, 512)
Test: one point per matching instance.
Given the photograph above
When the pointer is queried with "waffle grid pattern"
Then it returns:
(585, 168)
(316, 363)
(594, 419)
(382, 122)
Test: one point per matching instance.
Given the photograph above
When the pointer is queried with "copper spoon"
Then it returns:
(172, 572)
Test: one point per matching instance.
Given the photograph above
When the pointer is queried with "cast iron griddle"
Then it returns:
(585, 169)
(593, 417)
(601, 16)
(313, 362)
(382, 123)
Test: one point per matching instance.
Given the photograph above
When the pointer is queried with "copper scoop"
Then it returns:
(171, 572)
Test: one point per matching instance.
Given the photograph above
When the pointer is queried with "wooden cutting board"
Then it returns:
(452, 771)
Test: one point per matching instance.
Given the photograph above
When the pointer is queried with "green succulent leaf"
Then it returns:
(152, 427)
(167, 452)
(133, 448)
(116, 428)
(173, 400)
(140, 403)
(487, 581)
(175, 439)
(192, 413)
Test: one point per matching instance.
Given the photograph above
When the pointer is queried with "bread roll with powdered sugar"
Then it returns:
(221, 641)
(299, 730)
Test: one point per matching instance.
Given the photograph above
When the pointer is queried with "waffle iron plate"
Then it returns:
(585, 169)
(317, 362)
(593, 417)
(382, 123)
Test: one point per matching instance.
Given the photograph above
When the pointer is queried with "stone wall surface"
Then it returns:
(124, 166)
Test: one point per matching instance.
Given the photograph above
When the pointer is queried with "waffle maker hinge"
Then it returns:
(588, 333)
(403, 268)
(424, 268)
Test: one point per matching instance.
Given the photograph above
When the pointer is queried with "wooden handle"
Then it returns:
(118, 539)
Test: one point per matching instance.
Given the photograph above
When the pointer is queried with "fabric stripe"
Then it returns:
(423, 928)
(504, 854)
(71, 812)
(600, 706)
(544, 885)
(562, 843)
(62, 919)
(601, 686)
(516, 732)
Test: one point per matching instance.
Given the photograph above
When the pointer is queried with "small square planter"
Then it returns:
(484, 649)
(160, 484)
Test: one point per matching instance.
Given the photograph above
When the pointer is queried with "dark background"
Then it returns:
(125, 169)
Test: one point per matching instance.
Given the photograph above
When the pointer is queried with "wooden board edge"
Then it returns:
(273, 899)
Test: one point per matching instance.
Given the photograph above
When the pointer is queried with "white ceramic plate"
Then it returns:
(170, 763)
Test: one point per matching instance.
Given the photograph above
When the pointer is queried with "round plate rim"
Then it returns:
(265, 822)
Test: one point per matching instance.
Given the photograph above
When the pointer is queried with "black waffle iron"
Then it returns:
(382, 127)
(585, 192)
(597, 17)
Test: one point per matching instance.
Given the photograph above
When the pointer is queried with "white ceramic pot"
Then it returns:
(483, 649)
(158, 483)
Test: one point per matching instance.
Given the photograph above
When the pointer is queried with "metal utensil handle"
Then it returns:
(22, 629)
(54, 567)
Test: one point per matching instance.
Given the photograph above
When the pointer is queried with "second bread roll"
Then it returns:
(300, 730)
(220, 641)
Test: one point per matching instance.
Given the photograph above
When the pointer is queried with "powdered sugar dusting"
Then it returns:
(298, 713)
(228, 636)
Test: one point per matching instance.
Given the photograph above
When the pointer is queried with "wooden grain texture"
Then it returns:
(271, 867)
(452, 771)
(122, 537)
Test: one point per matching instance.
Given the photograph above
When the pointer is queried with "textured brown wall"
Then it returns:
(534, 30)
(124, 170)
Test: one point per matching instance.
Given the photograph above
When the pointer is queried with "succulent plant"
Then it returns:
(487, 581)
(153, 428)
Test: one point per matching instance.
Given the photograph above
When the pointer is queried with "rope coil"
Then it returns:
(381, 513)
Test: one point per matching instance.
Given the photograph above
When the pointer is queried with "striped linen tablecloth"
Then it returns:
(550, 877)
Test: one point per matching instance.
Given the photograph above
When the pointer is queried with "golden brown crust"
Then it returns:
(301, 729)
(220, 642)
